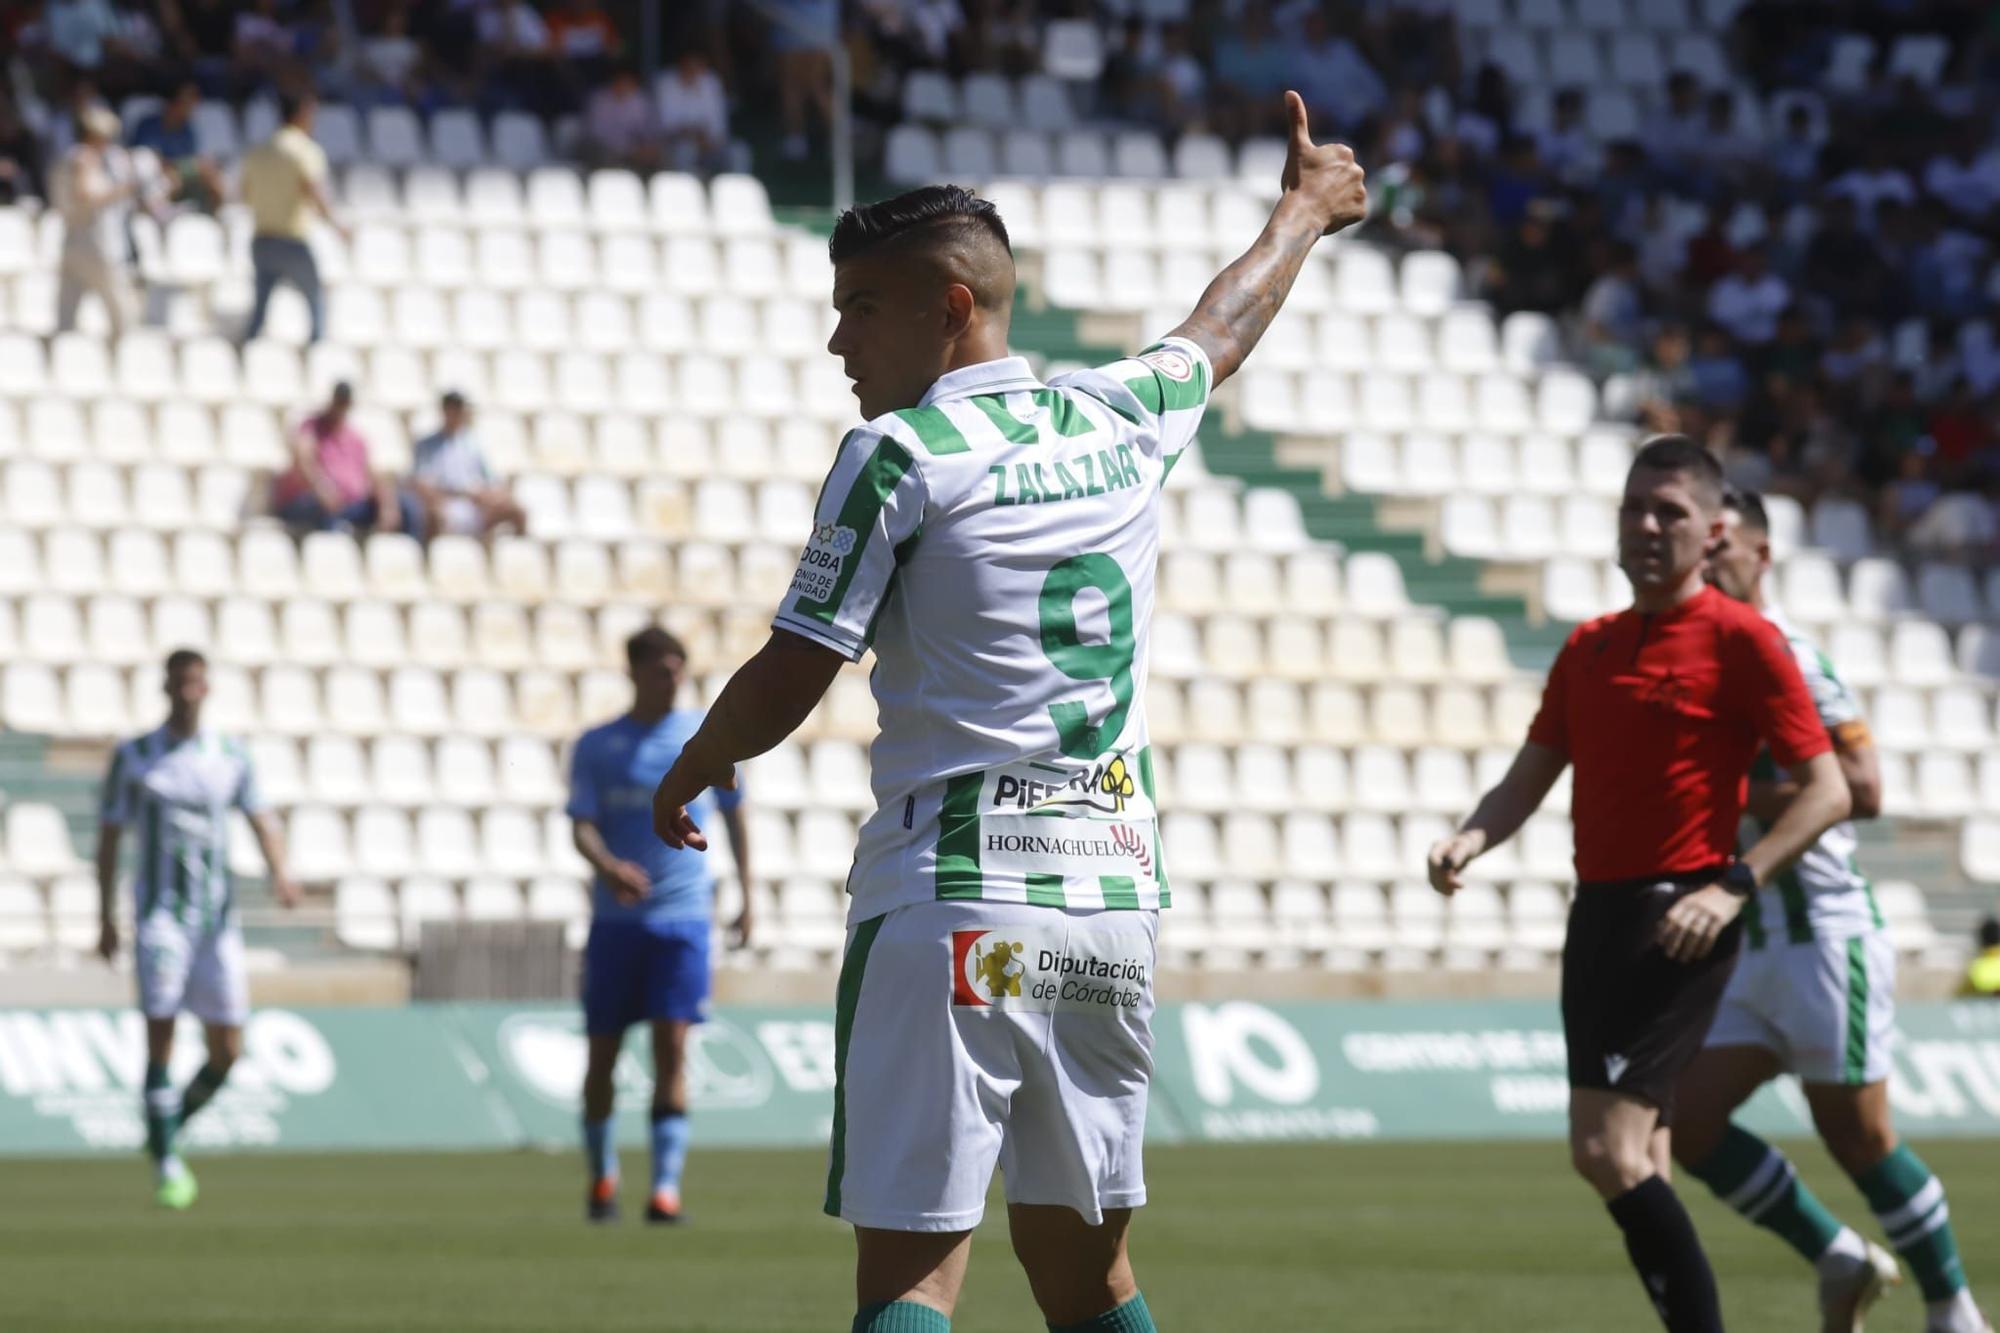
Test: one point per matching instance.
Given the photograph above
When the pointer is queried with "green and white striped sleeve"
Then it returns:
(1830, 695)
(1163, 391)
(869, 512)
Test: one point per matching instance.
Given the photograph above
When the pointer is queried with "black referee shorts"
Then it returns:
(1632, 1016)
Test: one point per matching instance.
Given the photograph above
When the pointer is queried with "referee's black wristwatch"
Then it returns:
(1739, 879)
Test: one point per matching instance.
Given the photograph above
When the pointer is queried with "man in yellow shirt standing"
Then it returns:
(284, 184)
(1982, 975)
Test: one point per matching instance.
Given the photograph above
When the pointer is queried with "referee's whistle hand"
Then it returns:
(1691, 926)
(1447, 862)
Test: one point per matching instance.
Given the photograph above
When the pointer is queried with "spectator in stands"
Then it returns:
(1724, 154)
(1749, 301)
(1335, 78)
(1962, 525)
(1675, 135)
(1843, 268)
(203, 34)
(262, 46)
(801, 35)
(1487, 117)
(1516, 182)
(1721, 382)
(1890, 428)
(1967, 176)
(331, 487)
(1181, 84)
(1665, 382)
(88, 40)
(1855, 354)
(1962, 432)
(390, 67)
(1795, 156)
(1613, 312)
(1909, 497)
(694, 115)
(514, 42)
(20, 156)
(1535, 268)
(1982, 974)
(620, 127)
(1251, 67)
(1872, 182)
(582, 34)
(455, 483)
(1945, 265)
(96, 187)
(1566, 146)
(284, 184)
(918, 33)
(195, 178)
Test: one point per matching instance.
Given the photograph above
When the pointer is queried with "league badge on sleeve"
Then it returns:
(1172, 362)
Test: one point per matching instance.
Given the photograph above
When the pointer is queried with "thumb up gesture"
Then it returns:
(1325, 176)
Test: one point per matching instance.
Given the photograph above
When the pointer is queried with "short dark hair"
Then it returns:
(291, 102)
(1751, 506)
(1989, 933)
(180, 659)
(452, 398)
(650, 645)
(1678, 453)
(946, 209)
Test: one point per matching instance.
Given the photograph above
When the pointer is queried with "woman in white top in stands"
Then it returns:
(694, 116)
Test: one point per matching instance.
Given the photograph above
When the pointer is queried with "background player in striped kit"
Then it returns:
(1814, 995)
(177, 784)
(994, 540)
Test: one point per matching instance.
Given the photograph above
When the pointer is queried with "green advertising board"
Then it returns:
(489, 1076)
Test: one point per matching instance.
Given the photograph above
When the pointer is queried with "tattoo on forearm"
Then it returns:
(1241, 302)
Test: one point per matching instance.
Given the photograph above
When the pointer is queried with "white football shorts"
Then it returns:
(975, 1034)
(1827, 1007)
(185, 968)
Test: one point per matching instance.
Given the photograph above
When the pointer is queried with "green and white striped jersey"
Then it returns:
(1822, 894)
(995, 545)
(177, 793)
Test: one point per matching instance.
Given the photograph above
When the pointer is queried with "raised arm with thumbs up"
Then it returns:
(1324, 191)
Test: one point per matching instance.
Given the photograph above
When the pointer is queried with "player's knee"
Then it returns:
(1610, 1167)
(219, 1064)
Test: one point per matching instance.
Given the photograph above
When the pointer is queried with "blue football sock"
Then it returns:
(670, 1149)
(600, 1148)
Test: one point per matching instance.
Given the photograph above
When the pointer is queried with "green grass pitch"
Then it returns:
(1309, 1238)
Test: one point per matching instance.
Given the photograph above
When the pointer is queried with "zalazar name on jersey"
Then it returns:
(996, 546)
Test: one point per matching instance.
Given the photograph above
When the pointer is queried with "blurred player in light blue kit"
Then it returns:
(648, 955)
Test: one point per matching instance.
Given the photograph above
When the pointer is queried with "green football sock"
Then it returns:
(1758, 1181)
(160, 1105)
(900, 1317)
(199, 1089)
(1909, 1203)
(1131, 1317)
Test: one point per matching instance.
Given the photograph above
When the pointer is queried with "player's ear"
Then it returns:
(959, 304)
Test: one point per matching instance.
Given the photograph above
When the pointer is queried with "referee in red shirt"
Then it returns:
(1661, 708)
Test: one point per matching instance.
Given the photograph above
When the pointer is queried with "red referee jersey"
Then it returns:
(1661, 714)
